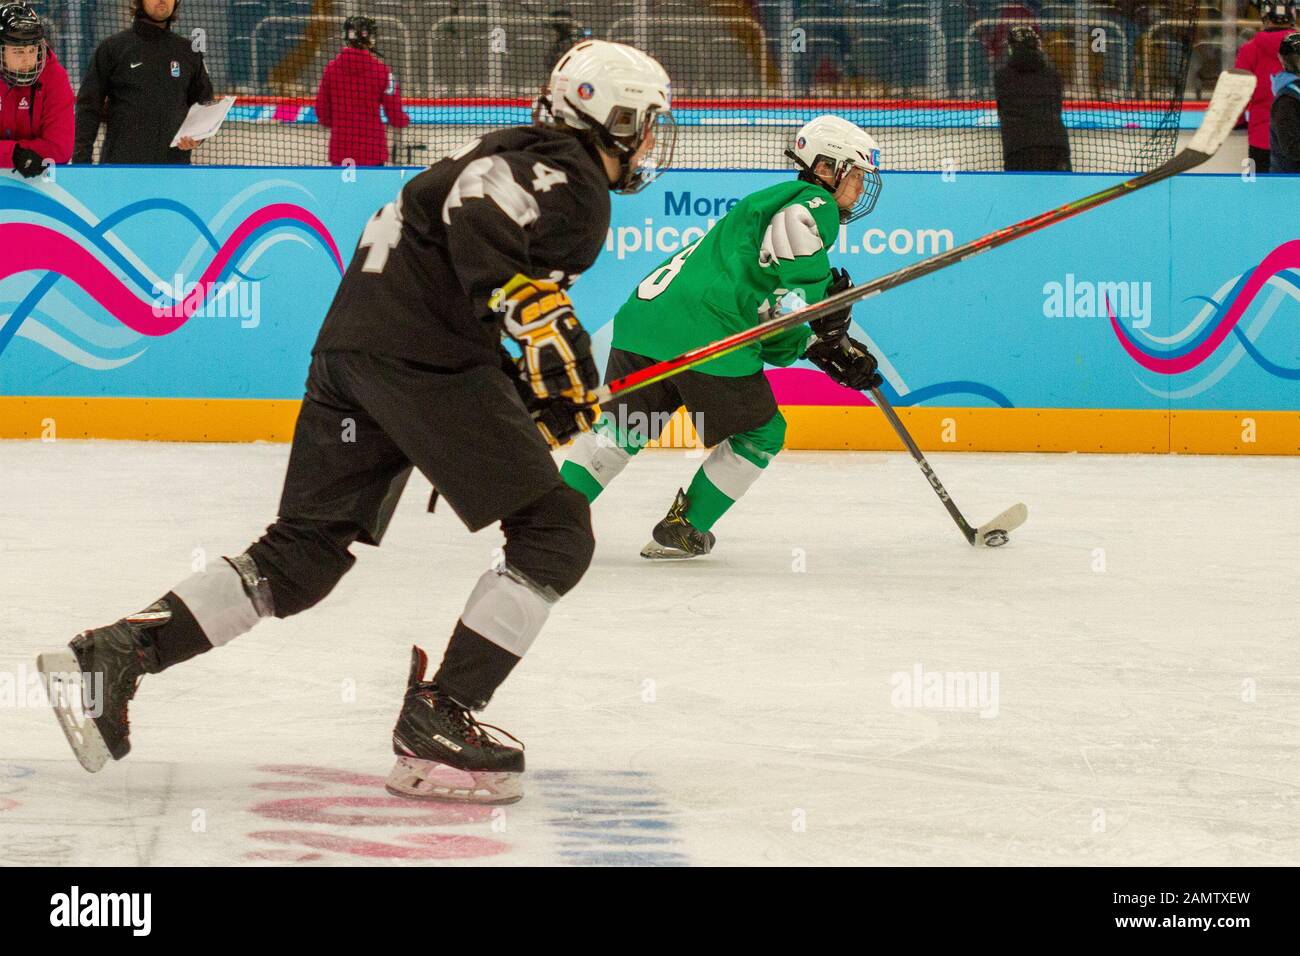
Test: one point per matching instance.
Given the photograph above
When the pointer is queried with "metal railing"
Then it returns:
(936, 47)
(1229, 30)
(1043, 24)
(405, 70)
(496, 34)
(642, 37)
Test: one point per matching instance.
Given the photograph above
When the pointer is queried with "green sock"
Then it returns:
(580, 479)
(706, 504)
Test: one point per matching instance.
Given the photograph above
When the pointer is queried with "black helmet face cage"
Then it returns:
(663, 127)
(27, 32)
(360, 31)
(872, 184)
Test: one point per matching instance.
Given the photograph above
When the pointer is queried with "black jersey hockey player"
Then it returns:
(409, 372)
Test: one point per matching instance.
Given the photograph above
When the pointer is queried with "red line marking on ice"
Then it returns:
(320, 810)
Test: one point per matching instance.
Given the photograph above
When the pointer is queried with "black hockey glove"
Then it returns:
(848, 362)
(28, 162)
(558, 419)
(833, 327)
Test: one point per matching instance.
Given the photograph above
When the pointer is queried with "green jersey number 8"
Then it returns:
(656, 282)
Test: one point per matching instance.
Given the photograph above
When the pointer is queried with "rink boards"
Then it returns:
(181, 305)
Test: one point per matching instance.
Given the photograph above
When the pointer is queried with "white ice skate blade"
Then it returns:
(430, 780)
(61, 674)
(657, 552)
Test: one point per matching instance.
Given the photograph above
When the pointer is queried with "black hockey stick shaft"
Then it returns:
(919, 457)
(1230, 97)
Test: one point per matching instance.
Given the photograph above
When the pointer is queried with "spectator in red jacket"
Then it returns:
(36, 99)
(1260, 56)
(355, 85)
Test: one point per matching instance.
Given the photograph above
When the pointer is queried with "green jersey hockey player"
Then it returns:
(768, 254)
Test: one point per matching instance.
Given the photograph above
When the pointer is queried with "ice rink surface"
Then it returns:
(791, 699)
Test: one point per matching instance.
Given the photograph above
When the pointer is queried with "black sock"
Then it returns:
(473, 667)
(180, 638)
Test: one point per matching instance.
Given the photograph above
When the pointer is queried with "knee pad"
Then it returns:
(551, 542)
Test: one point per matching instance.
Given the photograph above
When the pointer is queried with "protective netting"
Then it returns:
(746, 73)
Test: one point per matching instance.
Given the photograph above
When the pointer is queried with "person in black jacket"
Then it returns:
(142, 83)
(1284, 129)
(1030, 94)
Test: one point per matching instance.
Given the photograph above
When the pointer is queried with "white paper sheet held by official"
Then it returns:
(204, 121)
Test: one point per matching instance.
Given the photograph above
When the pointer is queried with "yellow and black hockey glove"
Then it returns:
(556, 371)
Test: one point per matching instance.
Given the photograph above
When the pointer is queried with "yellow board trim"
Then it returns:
(810, 427)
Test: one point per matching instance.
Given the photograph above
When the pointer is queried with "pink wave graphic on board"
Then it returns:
(802, 386)
(30, 247)
(1285, 256)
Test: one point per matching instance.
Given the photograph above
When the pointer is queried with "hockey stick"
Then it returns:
(1231, 95)
(994, 533)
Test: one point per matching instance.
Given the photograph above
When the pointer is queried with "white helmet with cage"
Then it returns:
(845, 147)
(624, 97)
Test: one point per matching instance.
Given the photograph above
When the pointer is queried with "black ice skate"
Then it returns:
(676, 538)
(443, 753)
(92, 682)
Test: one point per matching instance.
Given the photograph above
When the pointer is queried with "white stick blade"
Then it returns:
(994, 533)
(1231, 95)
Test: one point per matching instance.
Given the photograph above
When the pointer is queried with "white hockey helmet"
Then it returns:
(624, 97)
(845, 147)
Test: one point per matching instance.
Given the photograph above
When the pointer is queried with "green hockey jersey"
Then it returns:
(771, 243)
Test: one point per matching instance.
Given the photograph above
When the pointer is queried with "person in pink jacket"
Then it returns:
(355, 85)
(1260, 56)
(36, 99)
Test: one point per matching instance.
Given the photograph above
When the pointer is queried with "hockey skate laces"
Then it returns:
(471, 724)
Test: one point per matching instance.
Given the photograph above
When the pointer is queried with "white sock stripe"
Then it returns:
(507, 613)
(219, 603)
(731, 474)
(599, 455)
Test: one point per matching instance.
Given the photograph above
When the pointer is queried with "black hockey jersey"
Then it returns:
(528, 200)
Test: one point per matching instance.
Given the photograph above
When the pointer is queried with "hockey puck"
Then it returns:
(995, 539)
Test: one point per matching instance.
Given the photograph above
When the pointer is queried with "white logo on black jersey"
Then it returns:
(490, 178)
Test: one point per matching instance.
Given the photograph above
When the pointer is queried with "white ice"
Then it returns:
(1142, 628)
